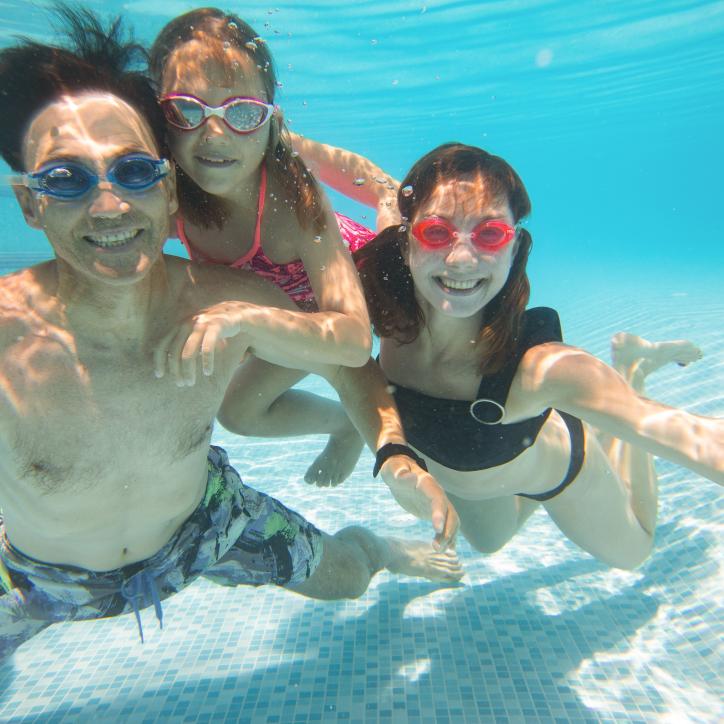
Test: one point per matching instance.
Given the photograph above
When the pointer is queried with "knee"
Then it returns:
(629, 560)
(489, 541)
(239, 419)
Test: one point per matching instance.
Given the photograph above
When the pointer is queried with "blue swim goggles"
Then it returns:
(69, 180)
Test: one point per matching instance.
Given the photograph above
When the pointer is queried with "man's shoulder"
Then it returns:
(26, 288)
(24, 295)
(206, 284)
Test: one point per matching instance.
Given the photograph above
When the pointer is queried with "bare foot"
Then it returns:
(336, 462)
(417, 558)
(631, 354)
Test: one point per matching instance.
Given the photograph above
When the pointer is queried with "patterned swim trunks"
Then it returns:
(236, 536)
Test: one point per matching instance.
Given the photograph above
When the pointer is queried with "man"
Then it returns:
(112, 499)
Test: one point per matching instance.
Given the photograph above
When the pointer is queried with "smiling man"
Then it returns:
(111, 495)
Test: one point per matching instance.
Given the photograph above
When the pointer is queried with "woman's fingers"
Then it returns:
(190, 354)
(208, 348)
(445, 521)
(179, 350)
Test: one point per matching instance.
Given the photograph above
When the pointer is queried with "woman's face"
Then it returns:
(460, 278)
(215, 157)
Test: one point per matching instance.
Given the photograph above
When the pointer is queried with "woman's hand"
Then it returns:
(420, 494)
(199, 336)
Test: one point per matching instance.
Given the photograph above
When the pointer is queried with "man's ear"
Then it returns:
(29, 206)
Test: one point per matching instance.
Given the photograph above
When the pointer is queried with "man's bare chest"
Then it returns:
(74, 416)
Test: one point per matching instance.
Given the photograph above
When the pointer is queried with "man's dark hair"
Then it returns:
(91, 58)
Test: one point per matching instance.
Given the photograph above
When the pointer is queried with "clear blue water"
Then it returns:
(612, 113)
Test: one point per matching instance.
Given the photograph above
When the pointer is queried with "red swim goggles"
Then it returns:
(240, 114)
(436, 233)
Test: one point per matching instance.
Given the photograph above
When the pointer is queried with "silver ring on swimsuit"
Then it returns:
(501, 409)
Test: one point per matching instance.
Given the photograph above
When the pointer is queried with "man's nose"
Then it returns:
(107, 203)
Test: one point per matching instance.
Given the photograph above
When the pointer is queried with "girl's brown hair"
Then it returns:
(386, 278)
(220, 31)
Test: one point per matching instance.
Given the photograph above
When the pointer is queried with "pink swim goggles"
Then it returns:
(239, 113)
(436, 233)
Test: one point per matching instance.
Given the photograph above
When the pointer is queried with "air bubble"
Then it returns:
(402, 229)
(373, 41)
(391, 389)
(317, 239)
(407, 190)
(381, 180)
(226, 45)
(232, 25)
(251, 45)
(544, 57)
(279, 84)
(295, 154)
(395, 82)
(359, 182)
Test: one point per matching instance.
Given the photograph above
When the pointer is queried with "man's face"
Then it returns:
(110, 233)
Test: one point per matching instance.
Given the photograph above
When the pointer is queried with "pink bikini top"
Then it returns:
(292, 277)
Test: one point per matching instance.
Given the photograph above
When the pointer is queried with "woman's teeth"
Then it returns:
(459, 286)
(116, 238)
(215, 161)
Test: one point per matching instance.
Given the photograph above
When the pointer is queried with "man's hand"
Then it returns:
(420, 494)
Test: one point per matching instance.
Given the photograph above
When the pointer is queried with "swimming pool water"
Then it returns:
(612, 114)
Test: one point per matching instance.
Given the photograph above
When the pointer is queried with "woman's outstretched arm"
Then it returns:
(574, 381)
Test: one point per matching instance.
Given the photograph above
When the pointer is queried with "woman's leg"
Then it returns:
(260, 403)
(489, 524)
(610, 510)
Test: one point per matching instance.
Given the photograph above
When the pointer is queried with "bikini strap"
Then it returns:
(540, 325)
(242, 260)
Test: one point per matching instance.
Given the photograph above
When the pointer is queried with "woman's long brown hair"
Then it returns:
(220, 31)
(386, 278)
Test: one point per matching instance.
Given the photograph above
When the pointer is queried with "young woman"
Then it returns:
(506, 416)
(248, 201)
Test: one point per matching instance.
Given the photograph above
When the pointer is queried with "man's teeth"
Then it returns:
(463, 286)
(117, 238)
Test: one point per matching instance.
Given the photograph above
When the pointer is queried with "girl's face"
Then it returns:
(459, 278)
(215, 157)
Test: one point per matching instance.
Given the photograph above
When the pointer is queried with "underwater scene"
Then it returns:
(223, 499)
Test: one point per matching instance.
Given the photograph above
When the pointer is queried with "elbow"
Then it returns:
(360, 354)
(357, 346)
